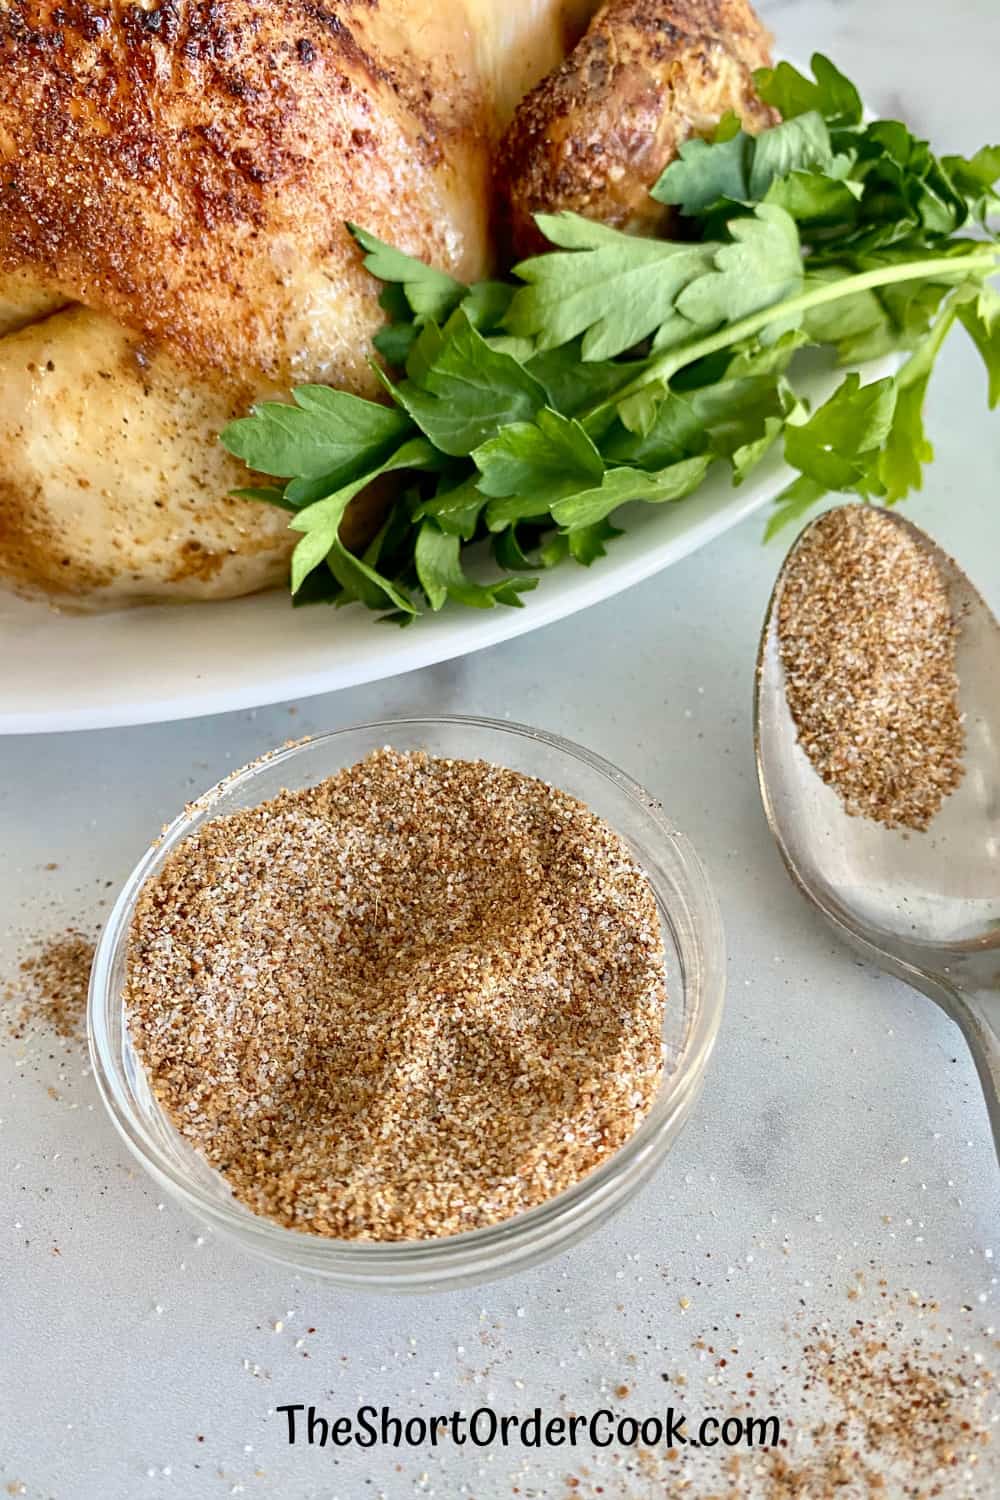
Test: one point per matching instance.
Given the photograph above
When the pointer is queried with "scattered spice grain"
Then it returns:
(50, 988)
(415, 999)
(867, 641)
(896, 1405)
(893, 1416)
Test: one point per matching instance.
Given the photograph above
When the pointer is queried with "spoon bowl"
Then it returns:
(922, 906)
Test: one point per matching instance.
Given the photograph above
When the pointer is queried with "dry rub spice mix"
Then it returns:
(415, 999)
(867, 641)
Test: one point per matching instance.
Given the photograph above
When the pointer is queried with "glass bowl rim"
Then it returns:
(446, 1252)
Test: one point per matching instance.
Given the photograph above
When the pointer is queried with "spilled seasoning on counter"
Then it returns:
(867, 641)
(50, 988)
(897, 1403)
(894, 1418)
(415, 999)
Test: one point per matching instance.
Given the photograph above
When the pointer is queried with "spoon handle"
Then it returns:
(977, 1013)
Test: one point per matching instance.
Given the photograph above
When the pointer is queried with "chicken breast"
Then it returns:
(174, 180)
(597, 132)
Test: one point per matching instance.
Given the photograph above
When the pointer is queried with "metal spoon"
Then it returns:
(924, 907)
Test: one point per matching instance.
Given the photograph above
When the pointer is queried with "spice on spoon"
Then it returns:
(415, 999)
(867, 640)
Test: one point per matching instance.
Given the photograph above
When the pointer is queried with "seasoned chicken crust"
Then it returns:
(596, 133)
(174, 180)
(183, 171)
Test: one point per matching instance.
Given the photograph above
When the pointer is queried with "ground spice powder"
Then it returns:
(50, 989)
(867, 642)
(415, 999)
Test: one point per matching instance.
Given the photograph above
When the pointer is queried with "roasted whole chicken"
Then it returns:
(174, 180)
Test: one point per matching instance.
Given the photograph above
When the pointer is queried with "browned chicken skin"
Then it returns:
(174, 180)
(595, 134)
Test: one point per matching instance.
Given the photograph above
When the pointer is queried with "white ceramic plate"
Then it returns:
(144, 665)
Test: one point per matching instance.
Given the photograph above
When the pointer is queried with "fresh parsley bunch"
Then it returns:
(613, 368)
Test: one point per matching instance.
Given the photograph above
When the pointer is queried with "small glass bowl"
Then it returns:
(695, 979)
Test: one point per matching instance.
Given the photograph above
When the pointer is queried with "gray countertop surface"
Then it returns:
(841, 1129)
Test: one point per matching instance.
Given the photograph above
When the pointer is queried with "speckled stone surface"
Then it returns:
(841, 1128)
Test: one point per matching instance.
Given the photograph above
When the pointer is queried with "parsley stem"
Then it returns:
(667, 365)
